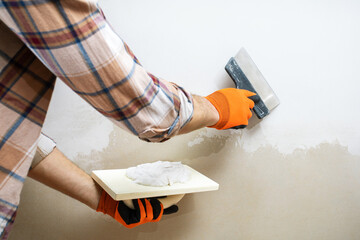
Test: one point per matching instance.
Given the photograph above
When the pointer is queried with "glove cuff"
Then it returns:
(220, 102)
(106, 204)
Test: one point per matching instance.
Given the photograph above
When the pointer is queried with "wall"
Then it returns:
(295, 175)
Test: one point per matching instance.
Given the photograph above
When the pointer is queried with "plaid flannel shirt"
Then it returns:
(71, 39)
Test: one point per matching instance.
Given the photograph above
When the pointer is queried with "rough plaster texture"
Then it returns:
(295, 175)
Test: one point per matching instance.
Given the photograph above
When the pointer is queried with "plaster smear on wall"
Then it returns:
(285, 140)
(312, 193)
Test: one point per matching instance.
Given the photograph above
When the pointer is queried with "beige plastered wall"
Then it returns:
(294, 175)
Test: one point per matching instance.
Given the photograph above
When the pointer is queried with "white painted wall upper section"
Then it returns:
(307, 50)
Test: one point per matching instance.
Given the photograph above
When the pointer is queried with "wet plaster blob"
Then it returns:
(159, 174)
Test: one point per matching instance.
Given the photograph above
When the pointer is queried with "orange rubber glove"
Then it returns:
(146, 210)
(233, 106)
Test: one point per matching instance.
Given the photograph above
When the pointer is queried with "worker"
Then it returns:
(42, 40)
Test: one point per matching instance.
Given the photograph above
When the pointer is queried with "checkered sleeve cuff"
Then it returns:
(181, 114)
(45, 146)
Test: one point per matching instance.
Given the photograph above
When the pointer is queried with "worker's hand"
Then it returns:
(233, 106)
(145, 210)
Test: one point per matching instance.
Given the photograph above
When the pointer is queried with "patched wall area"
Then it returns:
(295, 175)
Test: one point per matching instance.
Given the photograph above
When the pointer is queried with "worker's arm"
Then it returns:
(59, 173)
(205, 114)
(98, 66)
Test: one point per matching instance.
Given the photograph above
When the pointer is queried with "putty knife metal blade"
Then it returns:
(246, 75)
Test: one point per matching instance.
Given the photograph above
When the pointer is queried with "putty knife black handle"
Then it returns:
(242, 82)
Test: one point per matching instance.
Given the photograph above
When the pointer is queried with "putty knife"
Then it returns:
(246, 75)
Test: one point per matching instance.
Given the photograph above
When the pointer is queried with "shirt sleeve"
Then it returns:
(176, 116)
(76, 43)
(45, 146)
